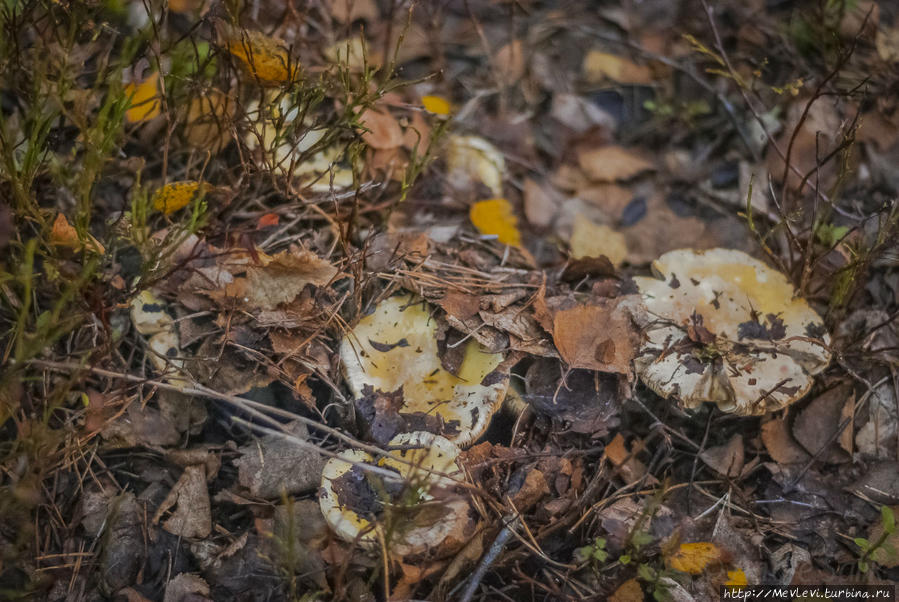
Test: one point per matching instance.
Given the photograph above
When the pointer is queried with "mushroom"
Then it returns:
(150, 318)
(415, 514)
(394, 351)
(473, 159)
(273, 133)
(727, 328)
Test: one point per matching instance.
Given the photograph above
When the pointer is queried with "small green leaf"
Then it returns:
(888, 519)
(624, 559)
(646, 573)
(861, 542)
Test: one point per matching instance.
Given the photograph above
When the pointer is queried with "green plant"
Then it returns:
(871, 550)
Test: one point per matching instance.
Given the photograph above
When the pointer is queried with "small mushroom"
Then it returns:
(472, 159)
(727, 328)
(416, 514)
(395, 349)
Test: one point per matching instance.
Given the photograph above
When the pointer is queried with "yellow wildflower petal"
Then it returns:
(436, 105)
(175, 195)
(495, 216)
(144, 99)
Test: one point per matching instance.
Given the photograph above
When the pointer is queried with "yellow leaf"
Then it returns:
(144, 99)
(62, 234)
(265, 58)
(495, 216)
(736, 578)
(601, 66)
(592, 240)
(175, 195)
(436, 105)
(693, 558)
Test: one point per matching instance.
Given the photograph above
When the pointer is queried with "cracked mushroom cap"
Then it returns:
(396, 347)
(727, 328)
(415, 513)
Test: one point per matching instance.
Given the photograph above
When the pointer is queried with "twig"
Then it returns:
(495, 549)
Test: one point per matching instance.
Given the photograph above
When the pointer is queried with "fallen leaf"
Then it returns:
(817, 423)
(186, 587)
(495, 217)
(347, 11)
(508, 63)
(63, 234)
(383, 130)
(612, 163)
(726, 460)
(597, 337)
(780, 444)
(541, 203)
(273, 465)
(736, 578)
(436, 105)
(207, 126)
(267, 221)
(176, 195)
(281, 278)
(599, 67)
(596, 240)
(143, 98)
(693, 558)
(629, 591)
(188, 500)
(618, 453)
(263, 57)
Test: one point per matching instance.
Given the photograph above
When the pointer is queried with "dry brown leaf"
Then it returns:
(618, 453)
(611, 163)
(208, 121)
(611, 198)
(818, 135)
(595, 240)
(597, 337)
(599, 67)
(383, 130)
(817, 423)
(282, 277)
(64, 234)
(726, 460)
(186, 587)
(508, 63)
(780, 444)
(347, 11)
(629, 591)
(188, 500)
(541, 203)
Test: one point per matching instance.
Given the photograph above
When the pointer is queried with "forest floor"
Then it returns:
(247, 248)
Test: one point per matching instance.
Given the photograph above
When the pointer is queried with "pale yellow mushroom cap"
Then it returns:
(396, 346)
(420, 524)
(726, 328)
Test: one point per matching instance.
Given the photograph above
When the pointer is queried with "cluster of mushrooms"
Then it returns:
(391, 360)
(718, 326)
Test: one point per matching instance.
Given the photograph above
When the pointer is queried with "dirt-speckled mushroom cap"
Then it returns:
(726, 328)
(429, 527)
(471, 158)
(396, 346)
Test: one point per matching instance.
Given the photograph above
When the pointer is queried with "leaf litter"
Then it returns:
(273, 187)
